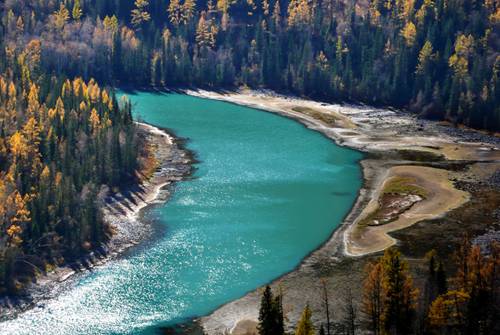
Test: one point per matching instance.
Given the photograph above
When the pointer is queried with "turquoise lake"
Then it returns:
(266, 192)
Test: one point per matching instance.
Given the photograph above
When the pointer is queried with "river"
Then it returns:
(266, 192)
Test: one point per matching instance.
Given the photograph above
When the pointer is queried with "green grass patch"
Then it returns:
(328, 119)
(403, 185)
(420, 156)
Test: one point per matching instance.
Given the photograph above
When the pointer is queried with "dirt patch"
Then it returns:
(390, 207)
(439, 197)
(245, 327)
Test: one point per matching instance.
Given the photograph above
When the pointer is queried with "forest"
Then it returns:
(465, 303)
(65, 140)
(63, 143)
(437, 58)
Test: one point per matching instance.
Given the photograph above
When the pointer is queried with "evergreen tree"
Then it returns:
(77, 10)
(389, 296)
(305, 326)
(270, 314)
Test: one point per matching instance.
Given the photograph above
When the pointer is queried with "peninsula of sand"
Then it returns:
(411, 171)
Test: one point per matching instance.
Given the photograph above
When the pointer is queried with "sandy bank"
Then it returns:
(121, 211)
(397, 144)
(441, 197)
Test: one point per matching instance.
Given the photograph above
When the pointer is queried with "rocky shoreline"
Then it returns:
(122, 211)
(393, 142)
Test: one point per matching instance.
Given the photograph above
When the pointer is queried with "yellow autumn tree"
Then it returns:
(188, 9)
(459, 61)
(111, 24)
(140, 14)
(425, 57)
(22, 213)
(409, 33)
(206, 32)
(14, 234)
(448, 311)
(94, 120)
(175, 12)
(33, 101)
(59, 109)
(471, 302)
(299, 13)
(19, 215)
(77, 10)
(389, 295)
(305, 326)
(18, 145)
(61, 16)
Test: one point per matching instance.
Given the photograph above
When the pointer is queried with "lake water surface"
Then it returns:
(267, 192)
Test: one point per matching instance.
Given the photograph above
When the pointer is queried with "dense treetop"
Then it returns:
(60, 142)
(437, 57)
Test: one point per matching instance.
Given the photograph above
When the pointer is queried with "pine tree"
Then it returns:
(389, 296)
(175, 12)
(305, 326)
(326, 304)
(409, 33)
(270, 314)
(373, 296)
(61, 17)
(77, 10)
(188, 10)
(140, 14)
(266, 313)
(399, 292)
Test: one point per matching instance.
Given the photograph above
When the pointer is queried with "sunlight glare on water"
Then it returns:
(267, 191)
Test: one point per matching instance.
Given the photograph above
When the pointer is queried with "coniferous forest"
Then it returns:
(392, 304)
(439, 58)
(66, 140)
(61, 141)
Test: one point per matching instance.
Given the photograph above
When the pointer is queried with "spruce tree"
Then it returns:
(270, 314)
(305, 326)
(266, 313)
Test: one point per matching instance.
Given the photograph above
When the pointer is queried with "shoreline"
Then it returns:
(403, 144)
(122, 211)
(351, 127)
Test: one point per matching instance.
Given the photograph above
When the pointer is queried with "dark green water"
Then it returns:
(267, 192)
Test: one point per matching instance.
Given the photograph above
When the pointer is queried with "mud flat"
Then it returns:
(436, 158)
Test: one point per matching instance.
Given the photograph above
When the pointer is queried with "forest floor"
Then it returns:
(425, 184)
(122, 212)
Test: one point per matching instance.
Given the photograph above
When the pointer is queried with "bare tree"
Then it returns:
(326, 303)
(350, 321)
